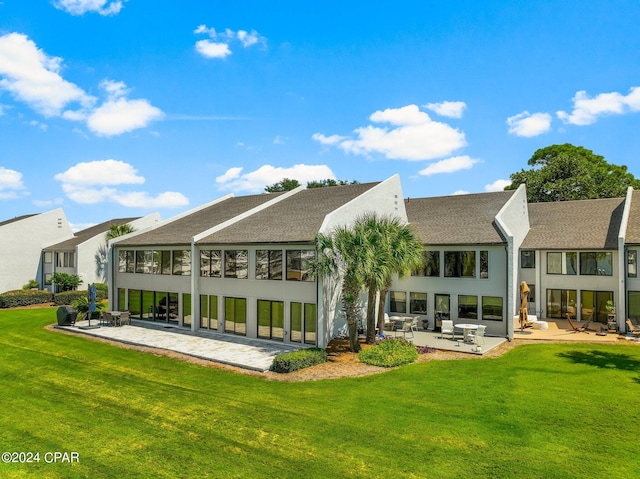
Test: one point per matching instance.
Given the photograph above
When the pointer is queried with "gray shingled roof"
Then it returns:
(583, 224)
(633, 226)
(17, 218)
(88, 233)
(180, 231)
(459, 219)
(295, 219)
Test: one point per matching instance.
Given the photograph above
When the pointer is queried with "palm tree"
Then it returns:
(119, 230)
(342, 253)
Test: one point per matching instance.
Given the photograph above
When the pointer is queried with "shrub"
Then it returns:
(102, 291)
(389, 353)
(295, 360)
(65, 281)
(425, 349)
(32, 284)
(20, 297)
(67, 297)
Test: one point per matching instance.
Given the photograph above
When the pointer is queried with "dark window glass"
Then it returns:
(268, 264)
(632, 263)
(211, 263)
(484, 264)
(460, 264)
(600, 264)
(298, 264)
(236, 264)
(467, 307)
(418, 303)
(182, 262)
(571, 262)
(527, 259)
(398, 302)
(492, 308)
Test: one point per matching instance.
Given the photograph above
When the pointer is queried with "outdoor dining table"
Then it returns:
(466, 328)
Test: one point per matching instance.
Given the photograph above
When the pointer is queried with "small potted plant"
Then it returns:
(425, 324)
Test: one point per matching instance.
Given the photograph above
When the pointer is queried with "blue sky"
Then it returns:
(122, 108)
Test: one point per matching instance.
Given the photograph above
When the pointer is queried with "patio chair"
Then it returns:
(447, 328)
(632, 328)
(577, 329)
(477, 336)
(124, 318)
(408, 325)
(108, 318)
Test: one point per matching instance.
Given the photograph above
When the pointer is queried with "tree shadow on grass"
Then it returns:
(603, 360)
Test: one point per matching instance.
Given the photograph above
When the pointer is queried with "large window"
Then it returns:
(298, 264)
(235, 315)
(527, 259)
(554, 263)
(66, 260)
(467, 307)
(144, 261)
(560, 302)
(562, 263)
(126, 261)
(270, 319)
(632, 263)
(208, 312)
(460, 264)
(418, 303)
(600, 264)
(182, 262)
(303, 323)
(398, 302)
(211, 263)
(162, 262)
(633, 303)
(236, 263)
(431, 266)
(268, 264)
(492, 308)
(593, 305)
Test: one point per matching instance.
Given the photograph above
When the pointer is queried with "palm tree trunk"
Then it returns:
(371, 316)
(381, 304)
(354, 343)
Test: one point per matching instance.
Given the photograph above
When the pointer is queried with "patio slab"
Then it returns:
(435, 340)
(247, 353)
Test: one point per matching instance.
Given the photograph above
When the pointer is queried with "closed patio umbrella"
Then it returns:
(524, 299)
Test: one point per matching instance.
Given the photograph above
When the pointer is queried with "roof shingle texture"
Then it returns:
(582, 224)
(633, 226)
(295, 219)
(180, 231)
(85, 234)
(460, 219)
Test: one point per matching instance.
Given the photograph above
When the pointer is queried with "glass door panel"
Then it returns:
(560, 302)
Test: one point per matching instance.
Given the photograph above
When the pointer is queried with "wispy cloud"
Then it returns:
(529, 125)
(11, 185)
(451, 109)
(218, 43)
(96, 181)
(498, 185)
(255, 181)
(586, 109)
(412, 135)
(80, 7)
(450, 165)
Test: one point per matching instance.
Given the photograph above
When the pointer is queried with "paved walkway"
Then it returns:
(253, 354)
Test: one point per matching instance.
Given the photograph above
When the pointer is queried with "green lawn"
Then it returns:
(540, 411)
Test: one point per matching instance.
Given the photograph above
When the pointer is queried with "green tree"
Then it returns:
(119, 230)
(329, 182)
(342, 253)
(286, 184)
(568, 172)
(66, 281)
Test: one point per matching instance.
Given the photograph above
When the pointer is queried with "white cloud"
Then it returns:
(230, 174)
(497, 185)
(451, 109)
(47, 203)
(115, 117)
(586, 109)
(11, 186)
(95, 181)
(211, 49)
(256, 181)
(460, 192)
(33, 77)
(528, 125)
(450, 165)
(280, 140)
(415, 136)
(218, 44)
(101, 172)
(80, 7)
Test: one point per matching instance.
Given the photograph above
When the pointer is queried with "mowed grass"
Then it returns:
(540, 411)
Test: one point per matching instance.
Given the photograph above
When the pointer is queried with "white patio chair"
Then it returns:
(447, 328)
(477, 337)
(408, 325)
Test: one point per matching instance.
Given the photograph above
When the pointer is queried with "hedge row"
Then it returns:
(295, 360)
(22, 297)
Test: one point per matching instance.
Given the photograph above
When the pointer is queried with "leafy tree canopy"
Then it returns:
(568, 172)
(288, 184)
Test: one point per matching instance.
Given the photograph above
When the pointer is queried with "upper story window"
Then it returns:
(460, 264)
(527, 259)
(562, 263)
(269, 264)
(126, 261)
(162, 262)
(182, 262)
(66, 260)
(484, 264)
(144, 261)
(431, 266)
(600, 264)
(298, 264)
(632, 263)
(48, 257)
(236, 264)
(211, 263)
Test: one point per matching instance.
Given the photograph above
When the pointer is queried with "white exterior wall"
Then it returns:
(21, 244)
(494, 285)
(513, 221)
